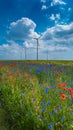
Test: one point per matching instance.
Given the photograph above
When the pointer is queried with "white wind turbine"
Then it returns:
(37, 39)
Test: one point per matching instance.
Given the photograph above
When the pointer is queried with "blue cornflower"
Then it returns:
(50, 65)
(43, 109)
(41, 118)
(46, 90)
(37, 71)
(50, 126)
(48, 103)
(50, 113)
(62, 119)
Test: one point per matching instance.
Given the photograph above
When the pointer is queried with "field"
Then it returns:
(36, 95)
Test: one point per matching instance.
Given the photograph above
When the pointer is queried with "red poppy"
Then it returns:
(59, 85)
(63, 84)
(71, 95)
(69, 89)
(63, 96)
(64, 88)
(72, 92)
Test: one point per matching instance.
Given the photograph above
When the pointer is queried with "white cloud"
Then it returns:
(55, 17)
(5, 45)
(43, 1)
(56, 40)
(52, 17)
(58, 16)
(69, 9)
(22, 29)
(16, 51)
(29, 44)
(44, 7)
(59, 35)
(54, 2)
(10, 51)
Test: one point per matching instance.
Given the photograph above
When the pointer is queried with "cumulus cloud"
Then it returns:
(55, 17)
(43, 1)
(56, 39)
(55, 2)
(16, 51)
(52, 17)
(22, 29)
(59, 34)
(44, 7)
(10, 51)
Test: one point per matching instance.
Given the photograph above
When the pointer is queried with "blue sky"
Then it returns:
(21, 20)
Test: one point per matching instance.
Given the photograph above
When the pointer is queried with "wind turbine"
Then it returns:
(47, 54)
(37, 39)
(25, 52)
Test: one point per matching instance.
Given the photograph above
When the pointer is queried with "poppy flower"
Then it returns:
(64, 88)
(63, 96)
(63, 84)
(69, 89)
(72, 94)
(59, 85)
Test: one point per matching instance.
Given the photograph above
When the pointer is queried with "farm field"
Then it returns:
(36, 95)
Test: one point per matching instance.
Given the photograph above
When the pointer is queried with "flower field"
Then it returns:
(37, 95)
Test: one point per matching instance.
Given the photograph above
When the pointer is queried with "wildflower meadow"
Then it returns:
(37, 95)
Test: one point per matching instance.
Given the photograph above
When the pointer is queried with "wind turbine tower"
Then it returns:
(37, 39)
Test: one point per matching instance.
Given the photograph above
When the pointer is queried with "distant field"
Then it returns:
(64, 62)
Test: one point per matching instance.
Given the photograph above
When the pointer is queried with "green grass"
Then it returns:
(3, 120)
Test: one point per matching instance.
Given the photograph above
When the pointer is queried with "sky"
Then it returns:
(49, 20)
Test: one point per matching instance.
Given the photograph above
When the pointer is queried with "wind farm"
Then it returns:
(36, 65)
